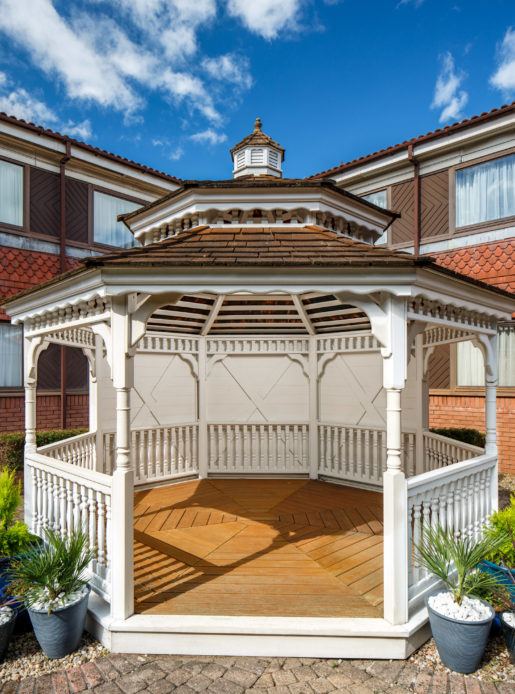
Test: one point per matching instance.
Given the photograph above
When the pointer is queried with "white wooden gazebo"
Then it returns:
(258, 333)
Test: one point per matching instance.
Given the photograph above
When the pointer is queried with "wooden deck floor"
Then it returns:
(259, 547)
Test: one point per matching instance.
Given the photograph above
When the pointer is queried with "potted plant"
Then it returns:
(460, 622)
(7, 620)
(15, 537)
(52, 582)
(501, 560)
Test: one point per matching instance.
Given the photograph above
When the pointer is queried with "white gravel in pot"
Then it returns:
(5, 615)
(470, 610)
(509, 618)
(46, 603)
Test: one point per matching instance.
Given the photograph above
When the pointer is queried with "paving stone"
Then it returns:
(407, 676)
(456, 684)
(212, 670)
(122, 664)
(283, 677)
(387, 670)
(131, 683)
(265, 680)
(290, 663)
(338, 680)
(505, 687)
(184, 689)
(92, 675)
(282, 689)
(489, 688)
(107, 669)
(194, 666)
(352, 672)
(169, 663)
(199, 682)
(322, 685)
(472, 686)
(151, 673)
(27, 686)
(107, 688)
(10, 687)
(301, 688)
(224, 660)
(179, 676)
(43, 685)
(60, 683)
(304, 673)
(255, 665)
(76, 680)
(439, 683)
(323, 669)
(160, 687)
(242, 677)
(224, 686)
(423, 682)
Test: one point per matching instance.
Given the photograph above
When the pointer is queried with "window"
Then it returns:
(106, 229)
(485, 192)
(379, 199)
(470, 370)
(11, 346)
(11, 193)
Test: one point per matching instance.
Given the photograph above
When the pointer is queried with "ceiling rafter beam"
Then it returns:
(303, 314)
(213, 314)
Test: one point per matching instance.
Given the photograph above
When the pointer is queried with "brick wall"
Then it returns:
(12, 412)
(469, 411)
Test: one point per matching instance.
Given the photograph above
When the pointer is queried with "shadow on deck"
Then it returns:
(290, 548)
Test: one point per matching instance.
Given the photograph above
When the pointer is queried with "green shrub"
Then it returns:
(11, 445)
(472, 436)
(14, 535)
(497, 527)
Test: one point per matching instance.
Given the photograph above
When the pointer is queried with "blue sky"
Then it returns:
(175, 83)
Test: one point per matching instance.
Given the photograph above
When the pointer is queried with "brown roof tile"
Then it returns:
(257, 137)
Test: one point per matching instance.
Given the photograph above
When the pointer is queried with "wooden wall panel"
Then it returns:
(439, 367)
(44, 202)
(403, 201)
(77, 207)
(434, 214)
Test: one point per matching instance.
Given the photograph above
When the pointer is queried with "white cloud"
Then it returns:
(266, 17)
(21, 104)
(209, 136)
(176, 153)
(81, 131)
(229, 68)
(448, 95)
(415, 3)
(504, 76)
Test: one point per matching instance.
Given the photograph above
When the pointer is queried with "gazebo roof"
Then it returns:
(250, 246)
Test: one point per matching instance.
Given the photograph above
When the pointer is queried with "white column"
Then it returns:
(31, 351)
(395, 542)
(203, 460)
(122, 502)
(422, 399)
(313, 408)
(488, 345)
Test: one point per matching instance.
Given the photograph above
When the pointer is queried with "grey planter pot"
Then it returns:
(6, 631)
(460, 644)
(509, 637)
(59, 632)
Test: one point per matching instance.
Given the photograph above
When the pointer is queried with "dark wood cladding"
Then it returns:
(435, 204)
(439, 367)
(403, 201)
(77, 207)
(44, 202)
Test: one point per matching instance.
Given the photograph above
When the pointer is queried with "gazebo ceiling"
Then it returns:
(251, 314)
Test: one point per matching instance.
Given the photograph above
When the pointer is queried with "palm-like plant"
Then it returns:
(49, 575)
(454, 557)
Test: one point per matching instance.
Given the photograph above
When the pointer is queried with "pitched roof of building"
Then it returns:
(264, 246)
(83, 145)
(433, 135)
(257, 137)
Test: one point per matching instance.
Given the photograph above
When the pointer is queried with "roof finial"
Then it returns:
(257, 125)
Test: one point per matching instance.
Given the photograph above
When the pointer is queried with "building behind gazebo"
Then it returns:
(258, 333)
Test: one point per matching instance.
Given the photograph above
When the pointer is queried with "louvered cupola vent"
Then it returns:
(257, 155)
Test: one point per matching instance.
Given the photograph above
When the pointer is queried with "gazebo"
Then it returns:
(258, 464)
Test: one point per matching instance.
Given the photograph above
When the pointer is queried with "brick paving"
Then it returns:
(129, 674)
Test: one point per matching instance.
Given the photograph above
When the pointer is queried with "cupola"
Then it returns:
(257, 155)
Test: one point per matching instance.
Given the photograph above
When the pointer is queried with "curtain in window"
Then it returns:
(106, 229)
(507, 356)
(485, 191)
(11, 193)
(378, 198)
(470, 369)
(11, 355)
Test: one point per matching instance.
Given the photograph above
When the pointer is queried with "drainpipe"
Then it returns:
(416, 184)
(62, 267)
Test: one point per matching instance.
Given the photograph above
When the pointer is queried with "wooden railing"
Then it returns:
(460, 496)
(440, 451)
(358, 453)
(65, 496)
(78, 450)
(158, 453)
(258, 448)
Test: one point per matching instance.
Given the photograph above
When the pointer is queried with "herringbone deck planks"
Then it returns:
(258, 547)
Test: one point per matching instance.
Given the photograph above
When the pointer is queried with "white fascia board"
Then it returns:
(67, 292)
(360, 281)
(453, 290)
(32, 137)
(127, 187)
(191, 202)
